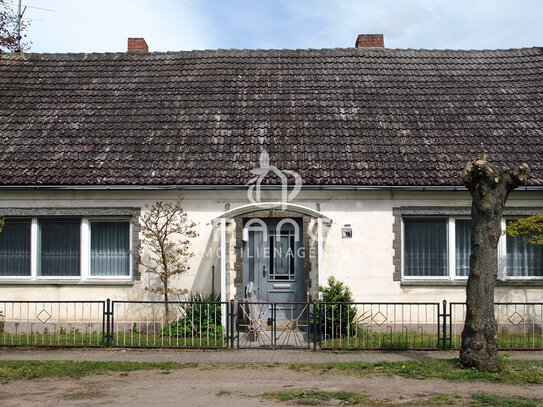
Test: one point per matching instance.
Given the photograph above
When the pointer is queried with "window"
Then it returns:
(282, 258)
(462, 246)
(429, 244)
(60, 241)
(15, 248)
(110, 249)
(65, 248)
(425, 247)
(522, 258)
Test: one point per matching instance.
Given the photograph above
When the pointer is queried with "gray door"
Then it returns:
(273, 260)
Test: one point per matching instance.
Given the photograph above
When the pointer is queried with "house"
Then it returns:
(296, 165)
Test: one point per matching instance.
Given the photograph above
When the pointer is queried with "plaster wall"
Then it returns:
(364, 262)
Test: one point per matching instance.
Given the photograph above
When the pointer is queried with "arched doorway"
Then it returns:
(276, 246)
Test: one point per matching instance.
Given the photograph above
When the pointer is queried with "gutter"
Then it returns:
(244, 187)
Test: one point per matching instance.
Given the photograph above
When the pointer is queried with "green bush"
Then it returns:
(336, 319)
(199, 318)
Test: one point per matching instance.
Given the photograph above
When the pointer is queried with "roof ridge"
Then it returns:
(15, 55)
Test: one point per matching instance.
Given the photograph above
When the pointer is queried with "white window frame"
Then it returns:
(85, 242)
(437, 278)
(502, 255)
(88, 249)
(32, 265)
(451, 249)
(453, 219)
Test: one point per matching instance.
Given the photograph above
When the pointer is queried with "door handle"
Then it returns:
(263, 271)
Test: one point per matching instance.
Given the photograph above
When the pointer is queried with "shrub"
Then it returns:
(201, 316)
(337, 319)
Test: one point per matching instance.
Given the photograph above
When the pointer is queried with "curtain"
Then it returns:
(281, 255)
(15, 248)
(60, 247)
(523, 259)
(463, 246)
(110, 248)
(425, 249)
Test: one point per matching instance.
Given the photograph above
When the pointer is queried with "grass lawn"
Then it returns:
(119, 339)
(344, 398)
(32, 369)
(414, 340)
(513, 371)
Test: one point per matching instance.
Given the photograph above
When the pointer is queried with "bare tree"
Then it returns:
(9, 33)
(489, 186)
(159, 253)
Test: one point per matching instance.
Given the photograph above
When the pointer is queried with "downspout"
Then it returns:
(223, 267)
(319, 255)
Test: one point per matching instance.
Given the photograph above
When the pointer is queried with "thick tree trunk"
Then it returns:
(489, 186)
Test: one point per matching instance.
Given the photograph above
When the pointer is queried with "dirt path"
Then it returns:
(229, 386)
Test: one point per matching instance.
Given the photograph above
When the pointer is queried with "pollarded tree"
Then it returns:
(489, 186)
(165, 249)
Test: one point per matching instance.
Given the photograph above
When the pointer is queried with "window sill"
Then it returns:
(56, 282)
(455, 283)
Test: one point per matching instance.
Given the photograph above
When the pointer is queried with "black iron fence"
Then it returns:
(251, 325)
(52, 323)
(175, 324)
(375, 325)
(273, 325)
(520, 325)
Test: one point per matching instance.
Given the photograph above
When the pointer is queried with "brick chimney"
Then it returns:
(137, 45)
(370, 41)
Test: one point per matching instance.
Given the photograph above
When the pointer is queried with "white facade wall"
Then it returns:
(364, 262)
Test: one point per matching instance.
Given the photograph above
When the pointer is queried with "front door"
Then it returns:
(273, 260)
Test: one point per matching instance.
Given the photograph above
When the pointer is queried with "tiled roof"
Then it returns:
(337, 117)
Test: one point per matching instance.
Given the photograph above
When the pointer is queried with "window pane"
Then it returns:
(463, 246)
(425, 249)
(59, 247)
(523, 259)
(282, 250)
(15, 248)
(110, 249)
(281, 255)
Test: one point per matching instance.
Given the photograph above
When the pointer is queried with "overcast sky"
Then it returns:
(105, 25)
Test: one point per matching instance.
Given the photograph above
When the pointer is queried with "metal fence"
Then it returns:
(374, 325)
(52, 323)
(251, 325)
(520, 325)
(175, 324)
(273, 325)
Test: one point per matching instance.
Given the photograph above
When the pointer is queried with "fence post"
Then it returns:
(274, 327)
(108, 321)
(231, 317)
(314, 325)
(450, 324)
(444, 346)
